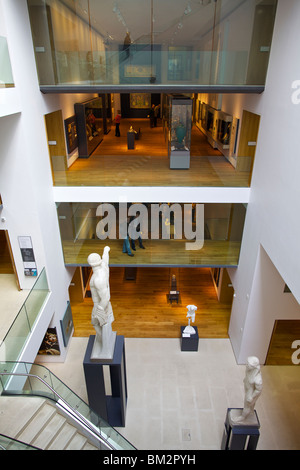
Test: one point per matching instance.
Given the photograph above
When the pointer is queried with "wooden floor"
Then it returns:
(5, 259)
(157, 252)
(142, 309)
(112, 164)
(280, 350)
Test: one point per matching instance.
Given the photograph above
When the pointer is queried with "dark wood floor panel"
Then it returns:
(157, 252)
(142, 309)
(112, 164)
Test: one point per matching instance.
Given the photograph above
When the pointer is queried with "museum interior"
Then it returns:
(160, 118)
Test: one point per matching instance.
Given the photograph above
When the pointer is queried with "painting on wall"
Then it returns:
(50, 345)
(67, 324)
(71, 134)
(140, 100)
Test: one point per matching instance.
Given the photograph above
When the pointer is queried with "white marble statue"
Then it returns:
(102, 314)
(191, 316)
(253, 388)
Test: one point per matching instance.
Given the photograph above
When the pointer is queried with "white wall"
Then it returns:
(25, 175)
(273, 212)
(268, 302)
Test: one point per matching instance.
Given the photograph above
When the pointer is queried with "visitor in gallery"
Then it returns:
(156, 113)
(126, 45)
(151, 115)
(118, 121)
(126, 243)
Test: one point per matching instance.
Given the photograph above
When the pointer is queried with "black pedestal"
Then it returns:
(189, 343)
(240, 436)
(112, 408)
(130, 140)
(174, 295)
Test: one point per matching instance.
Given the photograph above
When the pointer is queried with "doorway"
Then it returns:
(284, 343)
(7, 263)
(247, 143)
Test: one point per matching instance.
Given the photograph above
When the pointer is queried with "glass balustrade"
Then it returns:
(6, 76)
(20, 378)
(7, 443)
(172, 234)
(20, 330)
(149, 42)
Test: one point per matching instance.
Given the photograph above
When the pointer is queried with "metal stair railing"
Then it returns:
(20, 381)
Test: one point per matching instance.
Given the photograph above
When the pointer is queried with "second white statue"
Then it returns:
(102, 313)
(191, 316)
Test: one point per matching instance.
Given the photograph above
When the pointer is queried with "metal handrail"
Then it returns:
(78, 415)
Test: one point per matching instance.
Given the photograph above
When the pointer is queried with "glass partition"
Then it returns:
(6, 76)
(172, 234)
(174, 42)
(16, 337)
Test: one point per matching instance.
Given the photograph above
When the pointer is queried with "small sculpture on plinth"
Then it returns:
(253, 388)
(102, 313)
(191, 316)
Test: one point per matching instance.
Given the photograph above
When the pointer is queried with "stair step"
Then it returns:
(89, 446)
(77, 442)
(24, 409)
(62, 438)
(36, 421)
(34, 426)
(49, 431)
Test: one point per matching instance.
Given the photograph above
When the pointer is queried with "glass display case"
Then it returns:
(180, 125)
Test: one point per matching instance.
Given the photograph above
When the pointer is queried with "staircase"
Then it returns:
(37, 422)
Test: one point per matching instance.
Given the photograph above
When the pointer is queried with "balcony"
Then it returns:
(148, 164)
(16, 338)
(186, 235)
(159, 46)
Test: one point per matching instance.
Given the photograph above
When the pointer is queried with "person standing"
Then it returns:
(156, 113)
(118, 121)
(127, 44)
(151, 116)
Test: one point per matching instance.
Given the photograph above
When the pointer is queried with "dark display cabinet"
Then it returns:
(89, 121)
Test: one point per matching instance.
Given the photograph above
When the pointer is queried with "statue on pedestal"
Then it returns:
(191, 316)
(253, 389)
(102, 314)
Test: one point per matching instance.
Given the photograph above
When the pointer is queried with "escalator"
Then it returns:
(22, 379)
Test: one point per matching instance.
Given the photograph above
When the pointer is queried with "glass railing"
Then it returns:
(6, 76)
(7, 443)
(193, 235)
(21, 328)
(21, 378)
(193, 68)
(174, 42)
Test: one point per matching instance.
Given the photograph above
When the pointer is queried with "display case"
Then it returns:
(89, 122)
(180, 125)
